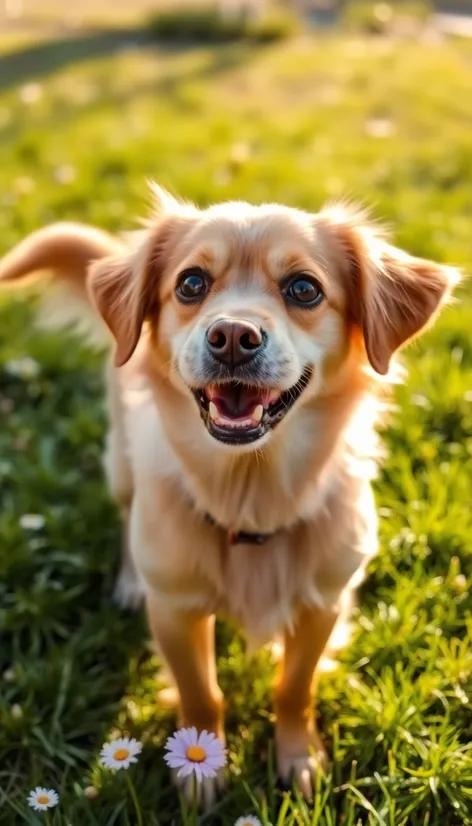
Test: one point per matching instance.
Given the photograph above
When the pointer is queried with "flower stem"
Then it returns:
(194, 801)
(137, 807)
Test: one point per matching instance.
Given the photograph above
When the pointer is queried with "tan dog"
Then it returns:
(249, 342)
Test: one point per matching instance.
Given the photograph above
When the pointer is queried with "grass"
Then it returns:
(301, 122)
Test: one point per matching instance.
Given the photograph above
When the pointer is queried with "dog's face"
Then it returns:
(250, 318)
(256, 310)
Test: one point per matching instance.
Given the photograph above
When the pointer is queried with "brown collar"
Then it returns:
(239, 537)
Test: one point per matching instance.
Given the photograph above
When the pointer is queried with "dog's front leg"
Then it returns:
(187, 641)
(300, 750)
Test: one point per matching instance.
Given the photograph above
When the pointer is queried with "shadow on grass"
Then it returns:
(22, 67)
(39, 60)
(35, 62)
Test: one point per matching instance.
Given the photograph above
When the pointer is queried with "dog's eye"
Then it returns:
(193, 285)
(304, 290)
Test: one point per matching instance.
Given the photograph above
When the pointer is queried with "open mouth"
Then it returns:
(237, 413)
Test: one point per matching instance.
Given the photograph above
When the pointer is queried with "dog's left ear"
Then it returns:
(392, 296)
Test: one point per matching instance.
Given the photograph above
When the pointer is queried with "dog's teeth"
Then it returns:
(235, 424)
(257, 414)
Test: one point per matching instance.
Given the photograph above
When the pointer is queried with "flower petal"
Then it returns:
(205, 738)
(216, 750)
(180, 748)
(192, 736)
(185, 770)
(175, 761)
(206, 770)
(214, 763)
(184, 736)
(198, 768)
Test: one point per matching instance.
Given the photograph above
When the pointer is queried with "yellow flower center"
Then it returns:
(121, 754)
(196, 754)
(43, 798)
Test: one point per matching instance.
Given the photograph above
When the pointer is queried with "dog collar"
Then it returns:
(239, 537)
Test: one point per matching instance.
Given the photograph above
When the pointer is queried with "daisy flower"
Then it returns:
(120, 753)
(41, 799)
(248, 820)
(189, 751)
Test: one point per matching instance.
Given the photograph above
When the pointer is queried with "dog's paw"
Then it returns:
(299, 766)
(205, 793)
(128, 592)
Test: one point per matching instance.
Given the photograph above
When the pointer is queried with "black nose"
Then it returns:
(233, 341)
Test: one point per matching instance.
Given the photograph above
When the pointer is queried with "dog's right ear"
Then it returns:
(125, 288)
(124, 292)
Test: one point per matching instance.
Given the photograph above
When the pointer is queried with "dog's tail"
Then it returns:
(64, 251)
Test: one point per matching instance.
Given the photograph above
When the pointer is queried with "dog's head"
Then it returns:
(253, 309)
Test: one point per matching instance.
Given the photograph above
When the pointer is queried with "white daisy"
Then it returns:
(41, 799)
(190, 752)
(120, 753)
(248, 820)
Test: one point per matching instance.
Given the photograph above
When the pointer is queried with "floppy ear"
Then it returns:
(124, 291)
(124, 288)
(392, 296)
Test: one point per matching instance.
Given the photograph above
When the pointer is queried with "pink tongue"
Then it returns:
(239, 402)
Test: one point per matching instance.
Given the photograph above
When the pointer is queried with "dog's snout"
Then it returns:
(234, 341)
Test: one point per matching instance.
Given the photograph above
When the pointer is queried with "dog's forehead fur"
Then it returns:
(242, 241)
(230, 228)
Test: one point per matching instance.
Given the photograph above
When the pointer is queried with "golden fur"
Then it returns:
(307, 483)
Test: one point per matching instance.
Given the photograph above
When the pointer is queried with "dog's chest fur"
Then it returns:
(258, 492)
(307, 493)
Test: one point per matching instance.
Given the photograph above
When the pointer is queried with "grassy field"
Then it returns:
(82, 124)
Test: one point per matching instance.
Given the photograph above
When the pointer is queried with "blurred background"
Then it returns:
(298, 102)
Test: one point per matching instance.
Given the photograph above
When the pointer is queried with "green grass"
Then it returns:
(384, 122)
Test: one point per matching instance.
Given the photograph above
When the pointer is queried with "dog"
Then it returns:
(252, 346)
